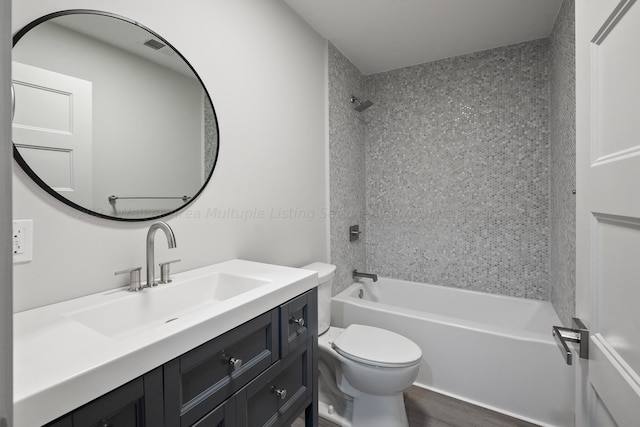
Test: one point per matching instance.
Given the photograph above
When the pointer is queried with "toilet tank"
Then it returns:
(325, 282)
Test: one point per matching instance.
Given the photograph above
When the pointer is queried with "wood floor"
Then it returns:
(429, 409)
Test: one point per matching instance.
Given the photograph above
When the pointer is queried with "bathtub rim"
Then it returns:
(348, 296)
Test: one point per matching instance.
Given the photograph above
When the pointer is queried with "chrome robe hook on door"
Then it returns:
(579, 335)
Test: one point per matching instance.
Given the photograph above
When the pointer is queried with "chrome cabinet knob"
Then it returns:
(280, 392)
(299, 322)
(235, 363)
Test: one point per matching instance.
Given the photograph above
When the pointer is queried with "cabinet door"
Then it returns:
(280, 394)
(136, 404)
(298, 321)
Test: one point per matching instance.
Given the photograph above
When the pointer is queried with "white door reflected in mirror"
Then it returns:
(52, 129)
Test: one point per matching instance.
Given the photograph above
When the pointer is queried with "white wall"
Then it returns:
(264, 69)
(6, 318)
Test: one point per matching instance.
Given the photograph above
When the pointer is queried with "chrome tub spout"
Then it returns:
(357, 274)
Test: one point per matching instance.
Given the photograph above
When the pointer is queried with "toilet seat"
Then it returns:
(377, 347)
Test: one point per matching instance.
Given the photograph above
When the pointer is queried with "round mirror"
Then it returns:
(109, 118)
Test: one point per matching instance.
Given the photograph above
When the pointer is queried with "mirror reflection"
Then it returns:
(109, 118)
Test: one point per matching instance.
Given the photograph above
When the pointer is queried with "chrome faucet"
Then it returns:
(357, 274)
(171, 240)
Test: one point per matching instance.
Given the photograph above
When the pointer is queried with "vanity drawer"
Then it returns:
(296, 317)
(201, 379)
(279, 394)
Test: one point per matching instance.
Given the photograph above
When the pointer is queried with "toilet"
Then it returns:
(363, 369)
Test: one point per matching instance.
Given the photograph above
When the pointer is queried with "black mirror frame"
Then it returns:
(34, 176)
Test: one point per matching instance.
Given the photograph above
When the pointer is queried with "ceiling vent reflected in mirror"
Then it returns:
(154, 44)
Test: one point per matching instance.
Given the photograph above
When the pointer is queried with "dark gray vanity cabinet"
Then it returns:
(261, 373)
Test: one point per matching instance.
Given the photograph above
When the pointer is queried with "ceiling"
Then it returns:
(382, 35)
(124, 35)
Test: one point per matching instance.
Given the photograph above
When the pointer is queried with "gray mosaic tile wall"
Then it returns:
(347, 168)
(562, 138)
(457, 167)
(210, 138)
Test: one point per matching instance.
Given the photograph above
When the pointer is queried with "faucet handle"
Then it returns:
(134, 278)
(164, 271)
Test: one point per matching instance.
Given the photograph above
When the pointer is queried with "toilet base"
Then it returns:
(365, 411)
(379, 411)
(337, 416)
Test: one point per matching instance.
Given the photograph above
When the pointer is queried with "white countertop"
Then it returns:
(61, 364)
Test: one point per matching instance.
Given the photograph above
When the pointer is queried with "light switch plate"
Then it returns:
(22, 240)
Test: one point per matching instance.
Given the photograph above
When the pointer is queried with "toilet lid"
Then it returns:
(377, 347)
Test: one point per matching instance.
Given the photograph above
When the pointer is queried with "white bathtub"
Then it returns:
(490, 350)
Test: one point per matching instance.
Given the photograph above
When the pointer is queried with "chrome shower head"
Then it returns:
(360, 105)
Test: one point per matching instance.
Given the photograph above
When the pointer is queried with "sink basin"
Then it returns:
(139, 311)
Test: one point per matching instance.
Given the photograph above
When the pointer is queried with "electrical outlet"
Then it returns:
(22, 240)
(18, 239)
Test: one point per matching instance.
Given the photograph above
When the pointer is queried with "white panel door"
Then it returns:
(52, 129)
(608, 210)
